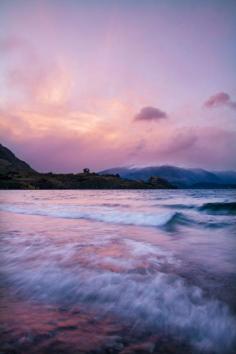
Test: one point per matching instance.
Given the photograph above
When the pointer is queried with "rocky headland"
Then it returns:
(17, 174)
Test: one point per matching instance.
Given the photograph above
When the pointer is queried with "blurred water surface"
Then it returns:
(118, 271)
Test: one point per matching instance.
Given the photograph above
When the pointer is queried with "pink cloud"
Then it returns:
(220, 99)
(33, 78)
(13, 43)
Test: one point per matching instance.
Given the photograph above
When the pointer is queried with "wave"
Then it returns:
(179, 219)
(113, 205)
(107, 215)
(220, 208)
(179, 206)
(216, 207)
(166, 220)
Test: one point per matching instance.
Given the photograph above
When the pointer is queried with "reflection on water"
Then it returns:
(118, 271)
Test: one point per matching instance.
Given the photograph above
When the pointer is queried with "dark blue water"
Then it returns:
(118, 271)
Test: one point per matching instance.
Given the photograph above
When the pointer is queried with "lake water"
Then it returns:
(142, 271)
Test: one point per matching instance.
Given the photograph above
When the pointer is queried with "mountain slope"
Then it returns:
(10, 163)
(181, 177)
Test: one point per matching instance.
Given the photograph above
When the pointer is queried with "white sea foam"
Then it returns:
(153, 301)
(159, 302)
(155, 254)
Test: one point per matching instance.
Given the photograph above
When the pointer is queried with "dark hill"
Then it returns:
(10, 163)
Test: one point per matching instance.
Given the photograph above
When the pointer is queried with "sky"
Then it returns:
(100, 84)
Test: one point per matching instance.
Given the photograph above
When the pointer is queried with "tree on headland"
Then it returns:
(86, 171)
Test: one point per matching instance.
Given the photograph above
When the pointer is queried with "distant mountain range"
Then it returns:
(180, 177)
(17, 174)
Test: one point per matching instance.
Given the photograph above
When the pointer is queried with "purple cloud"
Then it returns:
(181, 142)
(220, 99)
(150, 113)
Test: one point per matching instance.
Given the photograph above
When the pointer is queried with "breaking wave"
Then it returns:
(219, 208)
(108, 215)
(122, 216)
